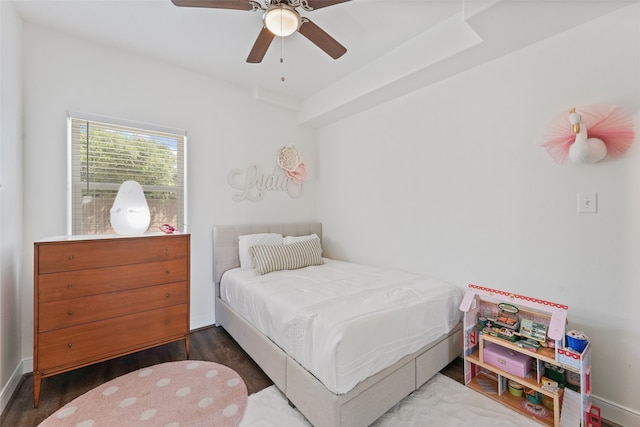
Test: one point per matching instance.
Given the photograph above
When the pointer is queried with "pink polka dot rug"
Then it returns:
(173, 394)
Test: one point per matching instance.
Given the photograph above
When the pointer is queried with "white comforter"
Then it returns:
(344, 322)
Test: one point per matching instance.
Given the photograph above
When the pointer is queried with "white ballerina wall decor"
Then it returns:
(589, 134)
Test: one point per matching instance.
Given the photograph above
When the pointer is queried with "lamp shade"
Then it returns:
(130, 212)
(281, 20)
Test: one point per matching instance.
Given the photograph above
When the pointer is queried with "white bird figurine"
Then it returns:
(584, 149)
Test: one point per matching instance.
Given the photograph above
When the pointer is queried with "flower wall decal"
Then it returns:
(290, 160)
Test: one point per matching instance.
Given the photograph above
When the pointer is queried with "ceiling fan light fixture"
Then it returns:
(281, 20)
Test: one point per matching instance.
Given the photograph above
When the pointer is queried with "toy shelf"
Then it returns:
(502, 327)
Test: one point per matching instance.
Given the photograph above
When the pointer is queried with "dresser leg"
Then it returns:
(187, 345)
(37, 381)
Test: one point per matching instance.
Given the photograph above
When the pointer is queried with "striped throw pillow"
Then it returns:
(246, 241)
(287, 257)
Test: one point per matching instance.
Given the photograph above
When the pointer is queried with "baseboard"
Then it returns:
(27, 365)
(615, 413)
(14, 381)
(202, 321)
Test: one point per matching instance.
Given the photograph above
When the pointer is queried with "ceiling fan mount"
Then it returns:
(281, 18)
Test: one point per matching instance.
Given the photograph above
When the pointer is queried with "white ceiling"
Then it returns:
(393, 46)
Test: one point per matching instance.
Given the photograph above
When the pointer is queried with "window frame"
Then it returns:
(74, 170)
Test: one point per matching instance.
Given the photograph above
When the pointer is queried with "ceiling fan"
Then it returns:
(280, 18)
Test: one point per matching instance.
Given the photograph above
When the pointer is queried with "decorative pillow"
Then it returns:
(287, 257)
(294, 239)
(246, 241)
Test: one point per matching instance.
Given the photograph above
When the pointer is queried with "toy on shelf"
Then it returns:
(534, 330)
(529, 344)
(593, 417)
(502, 323)
(533, 396)
(515, 388)
(556, 373)
(577, 340)
(550, 385)
(508, 316)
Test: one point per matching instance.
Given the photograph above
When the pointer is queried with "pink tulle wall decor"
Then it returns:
(588, 134)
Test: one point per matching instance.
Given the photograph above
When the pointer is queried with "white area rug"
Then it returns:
(441, 402)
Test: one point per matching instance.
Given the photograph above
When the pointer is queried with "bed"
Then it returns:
(352, 392)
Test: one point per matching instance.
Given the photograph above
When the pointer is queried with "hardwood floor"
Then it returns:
(212, 344)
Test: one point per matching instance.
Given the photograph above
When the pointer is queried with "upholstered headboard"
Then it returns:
(225, 241)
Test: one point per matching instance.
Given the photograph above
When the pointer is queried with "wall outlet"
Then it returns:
(588, 202)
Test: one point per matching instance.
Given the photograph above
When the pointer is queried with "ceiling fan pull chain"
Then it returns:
(282, 55)
(281, 42)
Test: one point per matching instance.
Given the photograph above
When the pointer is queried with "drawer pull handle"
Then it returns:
(70, 256)
(70, 313)
(168, 272)
(166, 322)
(69, 345)
(70, 286)
(167, 295)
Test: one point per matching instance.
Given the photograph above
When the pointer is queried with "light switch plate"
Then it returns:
(588, 202)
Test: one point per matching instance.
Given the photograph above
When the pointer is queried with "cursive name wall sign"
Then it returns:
(252, 183)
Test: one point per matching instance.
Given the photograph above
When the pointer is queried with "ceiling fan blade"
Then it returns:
(319, 4)
(216, 4)
(260, 47)
(321, 39)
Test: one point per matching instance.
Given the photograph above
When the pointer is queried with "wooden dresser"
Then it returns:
(100, 298)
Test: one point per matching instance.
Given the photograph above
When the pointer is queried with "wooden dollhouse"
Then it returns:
(515, 352)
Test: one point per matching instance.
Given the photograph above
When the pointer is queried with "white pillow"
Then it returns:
(247, 240)
(294, 239)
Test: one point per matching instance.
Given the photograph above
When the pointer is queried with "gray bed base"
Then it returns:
(364, 403)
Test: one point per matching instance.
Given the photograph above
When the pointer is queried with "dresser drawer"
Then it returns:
(78, 255)
(80, 283)
(75, 311)
(95, 341)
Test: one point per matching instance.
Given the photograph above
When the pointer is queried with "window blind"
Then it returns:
(105, 152)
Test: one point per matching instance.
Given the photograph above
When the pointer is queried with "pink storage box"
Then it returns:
(509, 361)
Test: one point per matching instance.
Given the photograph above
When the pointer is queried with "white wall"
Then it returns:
(10, 199)
(451, 181)
(226, 130)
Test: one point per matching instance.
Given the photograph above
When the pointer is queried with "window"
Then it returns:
(105, 152)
